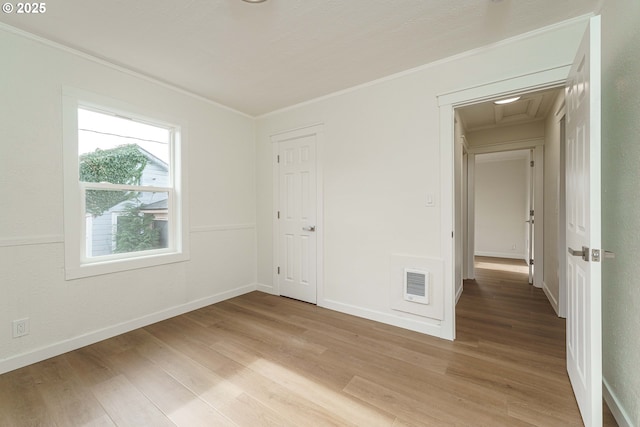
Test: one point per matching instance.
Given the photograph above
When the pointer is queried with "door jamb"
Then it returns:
(318, 131)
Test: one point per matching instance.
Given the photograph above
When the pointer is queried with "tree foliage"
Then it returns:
(120, 165)
(136, 231)
(125, 164)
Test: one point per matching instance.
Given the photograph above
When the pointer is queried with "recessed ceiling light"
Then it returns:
(507, 100)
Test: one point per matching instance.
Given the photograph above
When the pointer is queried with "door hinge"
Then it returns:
(530, 261)
(278, 158)
(278, 214)
(532, 163)
(452, 234)
(278, 270)
(531, 212)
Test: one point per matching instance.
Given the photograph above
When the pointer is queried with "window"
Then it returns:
(124, 207)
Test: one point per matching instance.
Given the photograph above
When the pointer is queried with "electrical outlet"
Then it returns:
(20, 327)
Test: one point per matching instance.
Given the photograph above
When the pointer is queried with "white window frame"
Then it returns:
(77, 264)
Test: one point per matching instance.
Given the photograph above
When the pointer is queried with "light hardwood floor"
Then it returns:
(265, 360)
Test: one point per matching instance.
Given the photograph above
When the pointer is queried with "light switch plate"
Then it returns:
(430, 200)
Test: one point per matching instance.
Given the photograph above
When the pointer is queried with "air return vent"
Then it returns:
(416, 286)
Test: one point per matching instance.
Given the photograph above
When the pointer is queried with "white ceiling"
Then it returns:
(257, 58)
(530, 107)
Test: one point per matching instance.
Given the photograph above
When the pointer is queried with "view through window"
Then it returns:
(126, 184)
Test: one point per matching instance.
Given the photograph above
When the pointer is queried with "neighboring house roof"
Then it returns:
(159, 205)
(153, 158)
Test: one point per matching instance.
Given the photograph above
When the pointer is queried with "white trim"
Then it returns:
(45, 239)
(562, 222)
(538, 80)
(275, 179)
(77, 264)
(386, 318)
(550, 297)
(622, 418)
(316, 129)
(466, 54)
(459, 293)
(517, 145)
(56, 349)
(223, 227)
(268, 289)
(471, 216)
(538, 201)
(137, 74)
(508, 255)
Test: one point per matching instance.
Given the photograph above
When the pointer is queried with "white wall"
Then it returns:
(505, 134)
(381, 157)
(501, 192)
(620, 207)
(221, 186)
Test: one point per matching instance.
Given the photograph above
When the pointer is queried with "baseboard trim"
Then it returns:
(386, 318)
(509, 255)
(552, 300)
(621, 416)
(56, 349)
(459, 293)
(268, 289)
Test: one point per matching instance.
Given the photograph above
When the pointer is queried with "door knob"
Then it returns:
(584, 253)
(309, 228)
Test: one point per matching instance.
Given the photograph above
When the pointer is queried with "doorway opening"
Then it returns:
(507, 187)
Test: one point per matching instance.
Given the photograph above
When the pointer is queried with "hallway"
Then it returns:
(505, 318)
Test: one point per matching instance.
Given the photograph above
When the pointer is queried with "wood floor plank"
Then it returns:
(348, 411)
(66, 402)
(178, 404)
(417, 412)
(298, 409)
(20, 402)
(262, 360)
(126, 405)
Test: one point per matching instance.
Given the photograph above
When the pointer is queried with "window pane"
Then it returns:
(122, 151)
(139, 222)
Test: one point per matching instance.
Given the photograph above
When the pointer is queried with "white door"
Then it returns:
(297, 218)
(584, 341)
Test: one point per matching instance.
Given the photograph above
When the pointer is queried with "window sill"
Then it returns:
(115, 266)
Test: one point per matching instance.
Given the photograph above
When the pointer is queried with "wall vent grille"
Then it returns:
(416, 286)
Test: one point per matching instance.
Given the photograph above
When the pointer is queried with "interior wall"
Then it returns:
(551, 279)
(220, 148)
(501, 207)
(620, 206)
(381, 158)
(505, 134)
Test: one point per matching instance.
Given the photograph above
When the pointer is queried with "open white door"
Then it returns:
(584, 330)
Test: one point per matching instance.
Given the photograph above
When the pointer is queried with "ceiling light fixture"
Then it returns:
(254, 1)
(507, 100)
